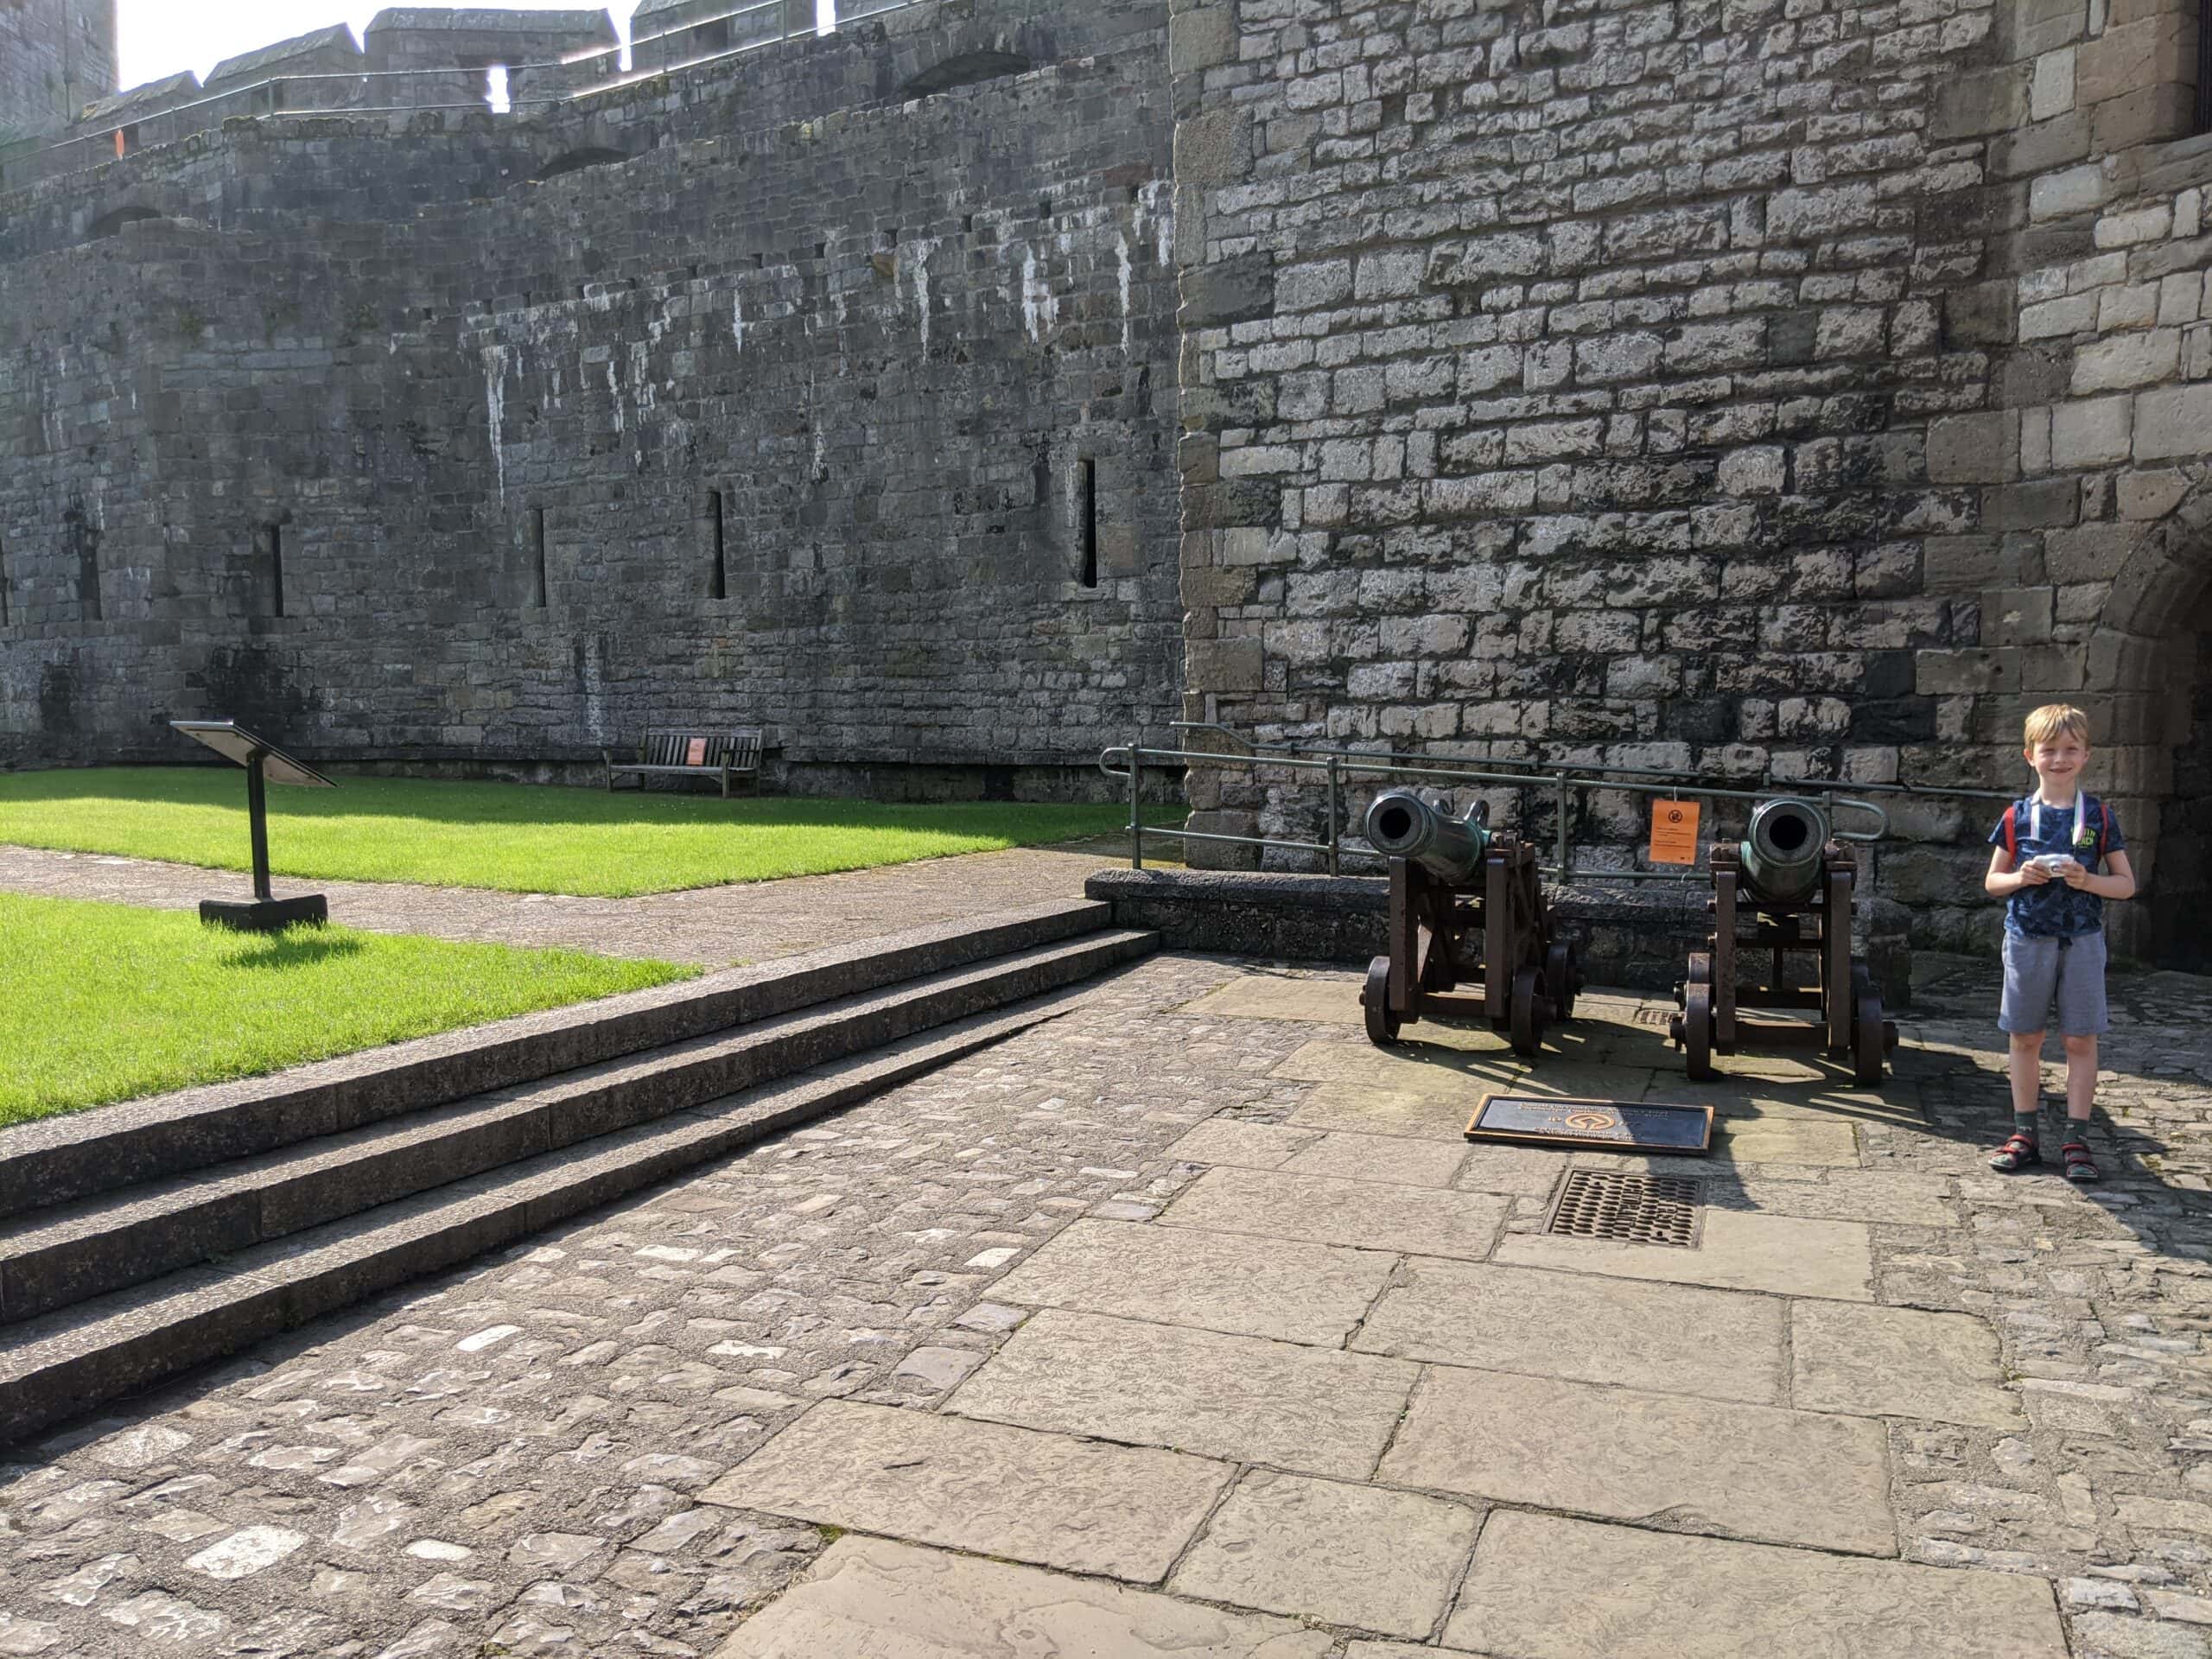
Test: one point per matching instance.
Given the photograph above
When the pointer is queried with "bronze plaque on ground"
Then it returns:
(1601, 1125)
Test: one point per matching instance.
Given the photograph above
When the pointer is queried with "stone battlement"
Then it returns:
(413, 60)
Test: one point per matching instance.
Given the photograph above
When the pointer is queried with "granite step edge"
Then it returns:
(104, 1147)
(54, 1258)
(62, 1365)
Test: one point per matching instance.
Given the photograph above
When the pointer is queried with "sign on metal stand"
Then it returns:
(265, 763)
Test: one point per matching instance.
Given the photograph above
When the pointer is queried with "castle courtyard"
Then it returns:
(1639, 566)
(1185, 1322)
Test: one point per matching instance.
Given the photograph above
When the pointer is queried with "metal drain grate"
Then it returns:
(1627, 1209)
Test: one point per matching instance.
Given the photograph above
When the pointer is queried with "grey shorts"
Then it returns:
(2072, 970)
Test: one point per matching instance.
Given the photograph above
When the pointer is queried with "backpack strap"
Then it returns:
(2013, 832)
(2104, 846)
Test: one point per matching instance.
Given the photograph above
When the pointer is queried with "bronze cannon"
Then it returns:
(1785, 891)
(1465, 908)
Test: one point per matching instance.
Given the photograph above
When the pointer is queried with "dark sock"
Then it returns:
(2025, 1125)
(2077, 1129)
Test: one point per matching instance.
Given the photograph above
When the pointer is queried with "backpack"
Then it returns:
(2013, 832)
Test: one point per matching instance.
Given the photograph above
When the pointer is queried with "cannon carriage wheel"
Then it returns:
(1528, 1011)
(1374, 1000)
(1562, 979)
(1693, 1025)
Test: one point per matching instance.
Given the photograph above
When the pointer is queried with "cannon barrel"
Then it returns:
(1402, 825)
(1782, 855)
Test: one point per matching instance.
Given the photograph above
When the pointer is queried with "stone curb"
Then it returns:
(60, 1364)
(57, 1257)
(61, 1158)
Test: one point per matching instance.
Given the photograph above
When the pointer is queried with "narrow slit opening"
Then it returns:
(268, 570)
(538, 558)
(1089, 486)
(718, 569)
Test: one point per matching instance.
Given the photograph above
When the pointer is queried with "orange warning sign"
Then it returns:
(1674, 832)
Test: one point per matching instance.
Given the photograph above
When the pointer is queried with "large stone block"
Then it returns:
(2129, 57)
(1990, 100)
(1231, 292)
(2096, 432)
(1982, 448)
(2127, 361)
(1201, 37)
(2173, 422)
(1213, 149)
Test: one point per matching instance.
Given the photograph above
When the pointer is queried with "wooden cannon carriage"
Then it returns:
(1784, 891)
(1466, 908)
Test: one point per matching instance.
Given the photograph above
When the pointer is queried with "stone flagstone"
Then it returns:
(1319, 1410)
(1899, 1362)
(1274, 1204)
(1250, 1146)
(1217, 1281)
(872, 1598)
(1351, 1555)
(1118, 1511)
(1423, 1116)
(1738, 1250)
(1270, 996)
(1543, 1587)
(1753, 1472)
(1786, 1140)
(1873, 1195)
(1413, 1067)
(1380, 1158)
(1675, 1338)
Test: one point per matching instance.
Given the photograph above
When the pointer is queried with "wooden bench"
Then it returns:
(693, 754)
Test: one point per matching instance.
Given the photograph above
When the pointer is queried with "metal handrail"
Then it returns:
(1338, 765)
(1818, 785)
(231, 93)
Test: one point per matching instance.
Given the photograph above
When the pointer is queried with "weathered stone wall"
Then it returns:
(1659, 384)
(436, 476)
(56, 57)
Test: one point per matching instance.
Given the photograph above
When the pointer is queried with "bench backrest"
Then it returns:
(669, 746)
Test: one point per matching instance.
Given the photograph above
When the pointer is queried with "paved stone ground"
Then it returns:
(751, 922)
(1187, 1324)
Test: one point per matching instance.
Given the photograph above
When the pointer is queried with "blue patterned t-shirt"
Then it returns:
(2055, 911)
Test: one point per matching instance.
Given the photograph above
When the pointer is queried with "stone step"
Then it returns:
(60, 1364)
(81, 1153)
(52, 1258)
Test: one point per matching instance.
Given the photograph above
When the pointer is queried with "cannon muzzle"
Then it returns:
(1782, 855)
(1400, 824)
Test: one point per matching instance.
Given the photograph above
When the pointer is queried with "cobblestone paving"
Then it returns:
(518, 1458)
(751, 922)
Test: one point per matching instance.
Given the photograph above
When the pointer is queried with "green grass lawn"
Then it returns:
(106, 1003)
(517, 837)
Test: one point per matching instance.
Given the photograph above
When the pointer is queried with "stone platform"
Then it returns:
(1188, 1324)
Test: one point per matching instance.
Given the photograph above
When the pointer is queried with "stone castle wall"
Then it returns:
(1792, 391)
(56, 57)
(488, 439)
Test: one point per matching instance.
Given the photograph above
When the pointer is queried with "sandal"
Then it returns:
(2016, 1154)
(2080, 1166)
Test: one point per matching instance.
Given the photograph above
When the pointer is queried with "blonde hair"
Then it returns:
(2057, 720)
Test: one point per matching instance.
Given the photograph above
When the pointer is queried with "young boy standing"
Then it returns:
(2047, 847)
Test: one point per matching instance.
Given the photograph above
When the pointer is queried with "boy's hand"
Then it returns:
(2032, 874)
(2075, 874)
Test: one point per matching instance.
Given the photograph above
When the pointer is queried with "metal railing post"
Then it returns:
(1565, 849)
(1333, 815)
(1136, 805)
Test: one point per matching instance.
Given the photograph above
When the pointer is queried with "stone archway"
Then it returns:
(2138, 669)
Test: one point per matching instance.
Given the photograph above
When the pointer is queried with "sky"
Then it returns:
(161, 37)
